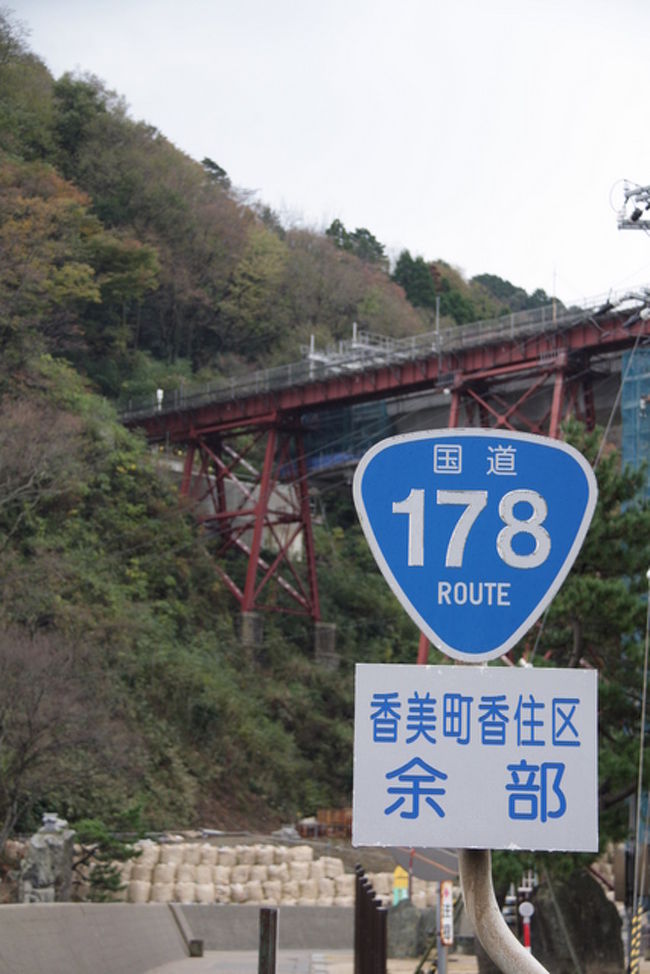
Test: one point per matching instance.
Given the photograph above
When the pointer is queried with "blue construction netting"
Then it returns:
(337, 436)
(635, 410)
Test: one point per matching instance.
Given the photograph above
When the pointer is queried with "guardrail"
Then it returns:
(366, 351)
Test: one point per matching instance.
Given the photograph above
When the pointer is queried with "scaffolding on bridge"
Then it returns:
(635, 409)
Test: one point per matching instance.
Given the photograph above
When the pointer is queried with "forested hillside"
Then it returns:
(145, 261)
(124, 692)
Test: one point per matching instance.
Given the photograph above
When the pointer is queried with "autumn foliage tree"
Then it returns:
(45, 278)
(59, 263)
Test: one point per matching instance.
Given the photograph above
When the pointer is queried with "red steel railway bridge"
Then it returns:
(245, 466)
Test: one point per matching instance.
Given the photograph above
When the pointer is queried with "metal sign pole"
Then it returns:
(441, 950)
(499, 942)
(267, 961)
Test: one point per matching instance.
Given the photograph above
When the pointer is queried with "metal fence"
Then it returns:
(365, 351)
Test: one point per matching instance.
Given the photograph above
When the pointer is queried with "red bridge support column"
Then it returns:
(557, 405)
(258, 519)
(523, 398)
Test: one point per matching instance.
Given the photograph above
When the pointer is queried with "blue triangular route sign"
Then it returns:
(474, 530)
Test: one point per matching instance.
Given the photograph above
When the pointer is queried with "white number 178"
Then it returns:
(473, 502)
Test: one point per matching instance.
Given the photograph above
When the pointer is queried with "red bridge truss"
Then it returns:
(245, 464)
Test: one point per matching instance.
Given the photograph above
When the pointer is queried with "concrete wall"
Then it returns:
(84, 938)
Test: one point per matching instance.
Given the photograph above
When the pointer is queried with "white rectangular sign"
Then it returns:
(447, 913)
(475, 757)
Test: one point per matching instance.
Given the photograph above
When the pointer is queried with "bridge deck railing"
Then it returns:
(365, 352)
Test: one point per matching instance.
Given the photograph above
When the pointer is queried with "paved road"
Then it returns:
(310, 962)
(127, 939)
(245, 962)
(299, 962)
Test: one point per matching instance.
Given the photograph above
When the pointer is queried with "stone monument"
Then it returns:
(46, 870)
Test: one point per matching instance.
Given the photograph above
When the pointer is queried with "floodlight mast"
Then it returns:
(636, 203)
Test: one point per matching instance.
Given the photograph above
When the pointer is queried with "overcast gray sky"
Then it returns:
(490, 133)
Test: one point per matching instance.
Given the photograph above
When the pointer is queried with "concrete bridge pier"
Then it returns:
(325, 645)
(251, 631)
(251, 636)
